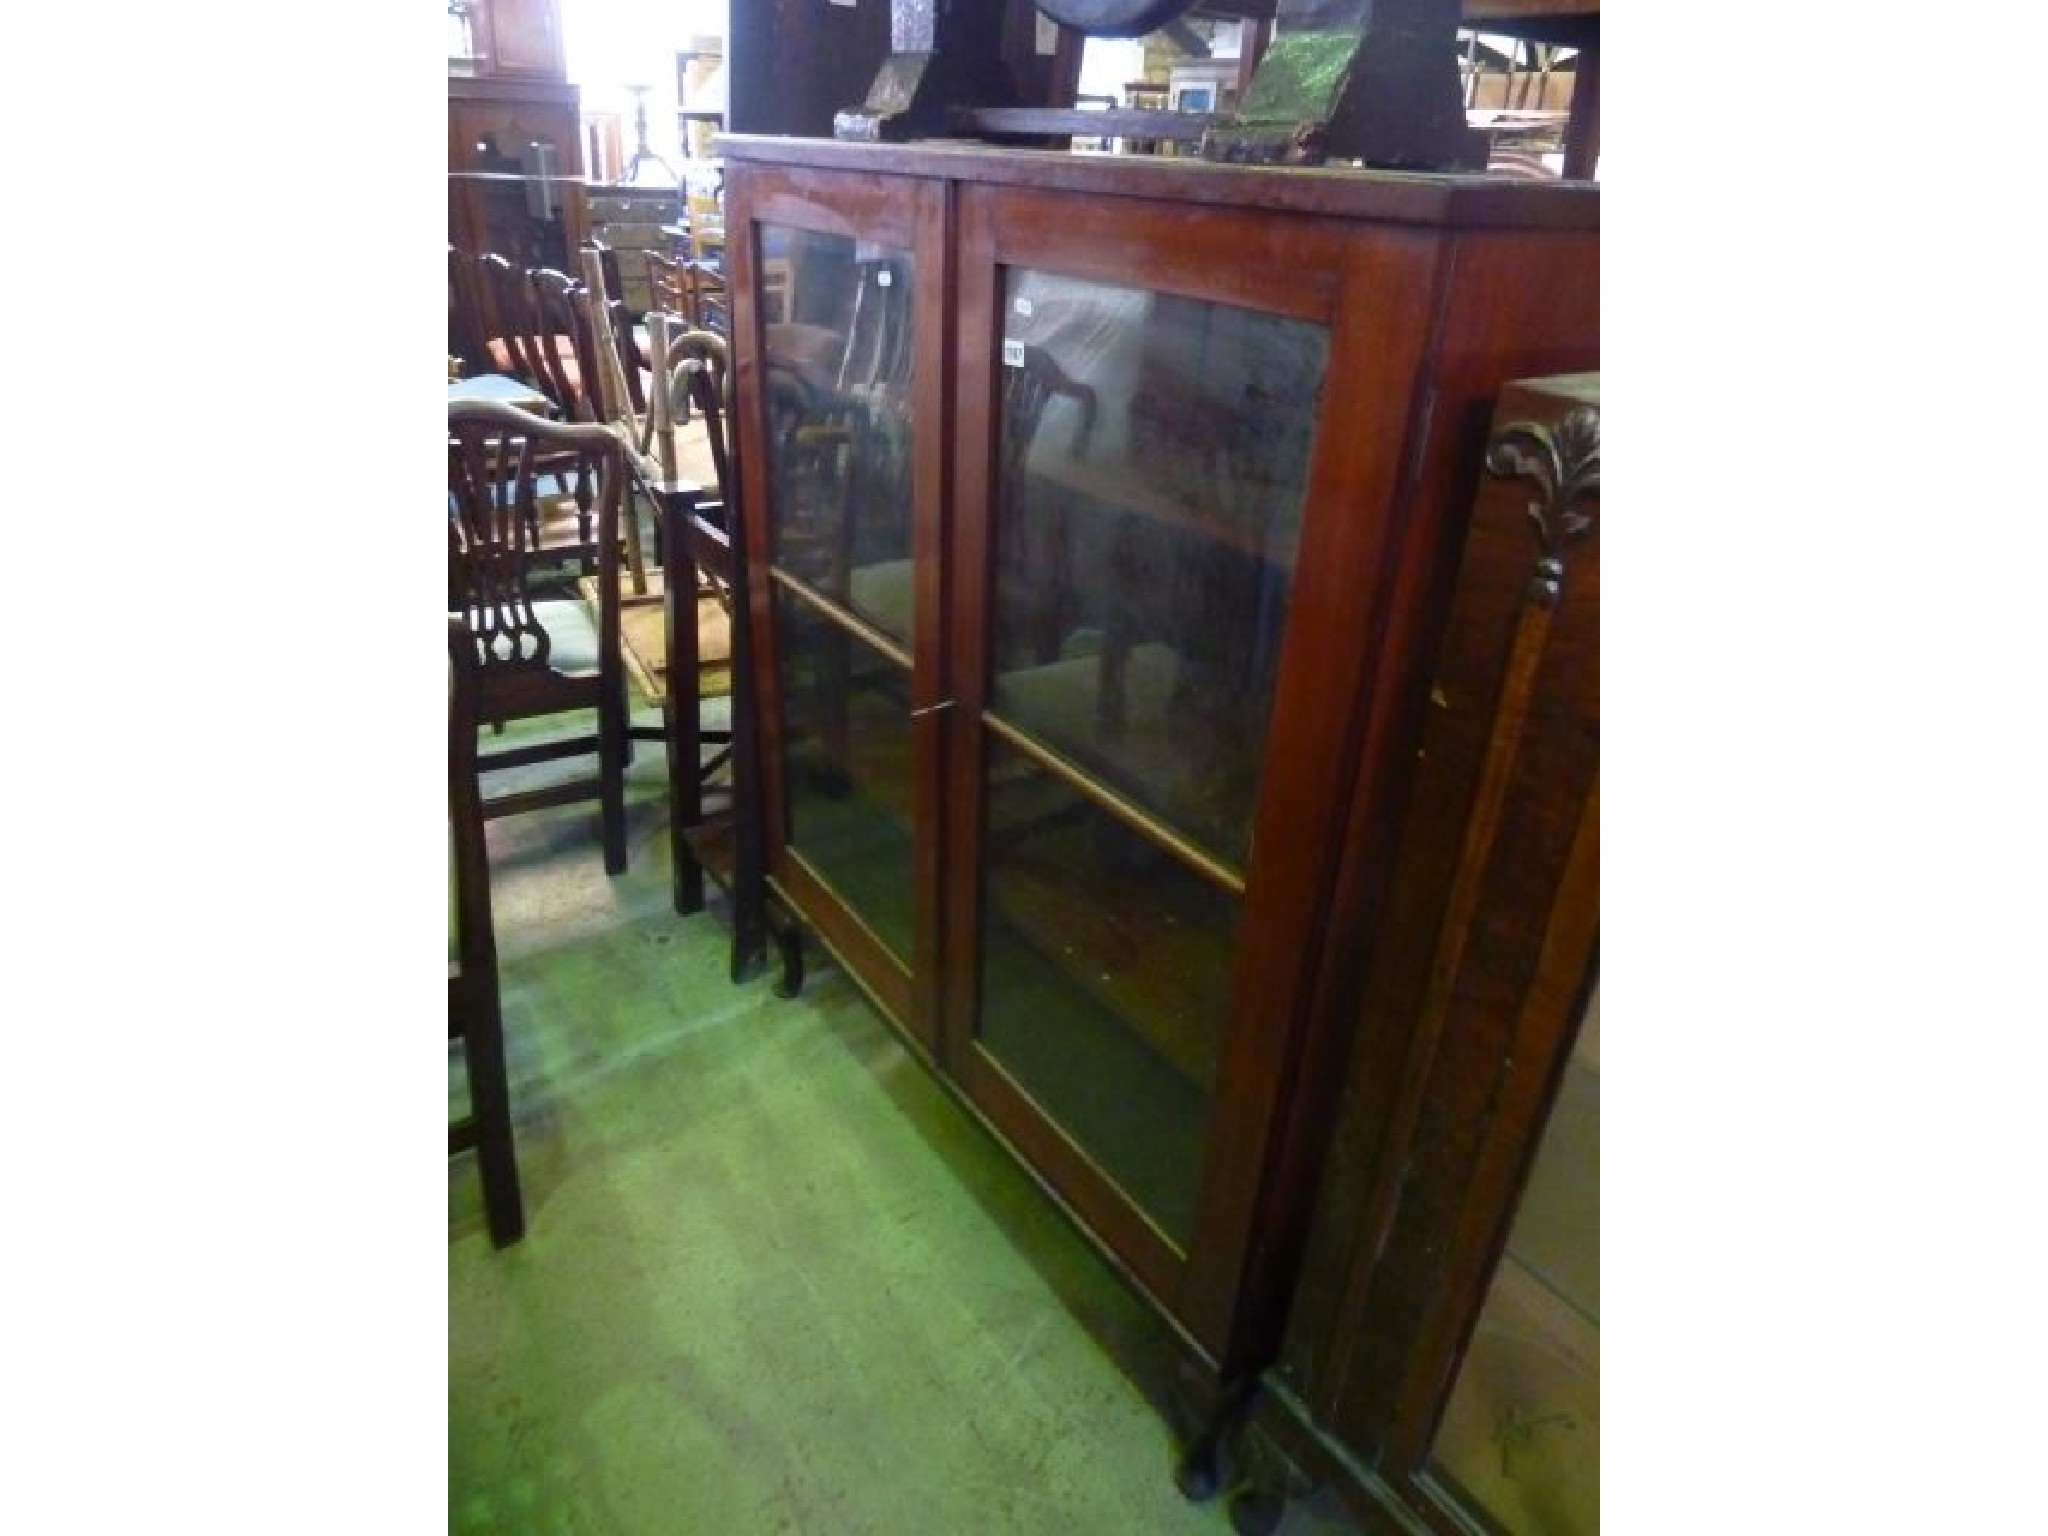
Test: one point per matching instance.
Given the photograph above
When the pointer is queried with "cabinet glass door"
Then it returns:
(838, 392)
(1520, 1436)
(1152, 460)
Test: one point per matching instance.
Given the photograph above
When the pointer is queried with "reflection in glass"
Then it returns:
(846, 746)
(1154, 455)
(1105, 968)
(1521, 1434)
(839, 379)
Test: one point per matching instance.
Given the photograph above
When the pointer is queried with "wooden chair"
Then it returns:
(475, 1017)
(663, 643)
(466, 327)
(708, 300)
(668, 283)
(538, 658)
(553, 312)
(692, 623)
(516, 343)
(703, 555)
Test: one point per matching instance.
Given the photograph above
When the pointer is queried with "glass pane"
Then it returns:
(1154, 452)
(1521, 1435)
(838, 340)
(1104, 972)
(846, 762)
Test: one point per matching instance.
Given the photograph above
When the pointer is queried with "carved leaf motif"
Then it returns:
(1563, 462)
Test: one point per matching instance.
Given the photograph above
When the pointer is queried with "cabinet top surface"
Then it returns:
(1419, 197)
(1567, 389)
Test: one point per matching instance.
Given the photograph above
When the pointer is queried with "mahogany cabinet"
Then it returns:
(1441, 1358)
(1105, 526)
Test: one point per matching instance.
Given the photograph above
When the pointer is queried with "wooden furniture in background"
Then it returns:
(1442, 1360)
(1111, 869)
(516, 39)
(475, 1017)
(675, 628)
(667, 282)
(1572, 24)
(633, 222)
(515, 153)
(704, 271)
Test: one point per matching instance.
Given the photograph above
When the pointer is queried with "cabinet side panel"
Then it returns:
(1438, 1008)
(1516, 305)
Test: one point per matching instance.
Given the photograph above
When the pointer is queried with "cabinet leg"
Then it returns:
(1204, 1469)
(1253, 1513)
(789, 946)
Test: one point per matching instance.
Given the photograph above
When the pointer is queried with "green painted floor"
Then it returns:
(774, 1279)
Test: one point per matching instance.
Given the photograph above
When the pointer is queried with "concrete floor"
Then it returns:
(774, 1279)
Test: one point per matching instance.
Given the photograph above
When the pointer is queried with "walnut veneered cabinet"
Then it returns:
(1103, 520)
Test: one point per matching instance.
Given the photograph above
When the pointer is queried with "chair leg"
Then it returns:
(789, 942)
(611, 771)
(490, 1101)
(681, 709)
(685, 803)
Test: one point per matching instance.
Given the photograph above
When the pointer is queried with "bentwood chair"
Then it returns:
(475, 1017)
(683, 640)
(679, 655)
(538, 658)
(704, 557)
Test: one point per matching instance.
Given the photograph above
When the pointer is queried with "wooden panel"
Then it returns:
(504, 115)
(1438, 199)
(1283, 266)
(1472, 997)
(526, 39)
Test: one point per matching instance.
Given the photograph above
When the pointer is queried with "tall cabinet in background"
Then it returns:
(514, 137)
(1107, 518)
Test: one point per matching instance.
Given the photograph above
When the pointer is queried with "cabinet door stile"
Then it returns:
(1331, 665)
(931, 699)
(750, 398)
(972, 413)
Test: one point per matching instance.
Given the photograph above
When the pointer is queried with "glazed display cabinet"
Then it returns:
(1104, 525)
